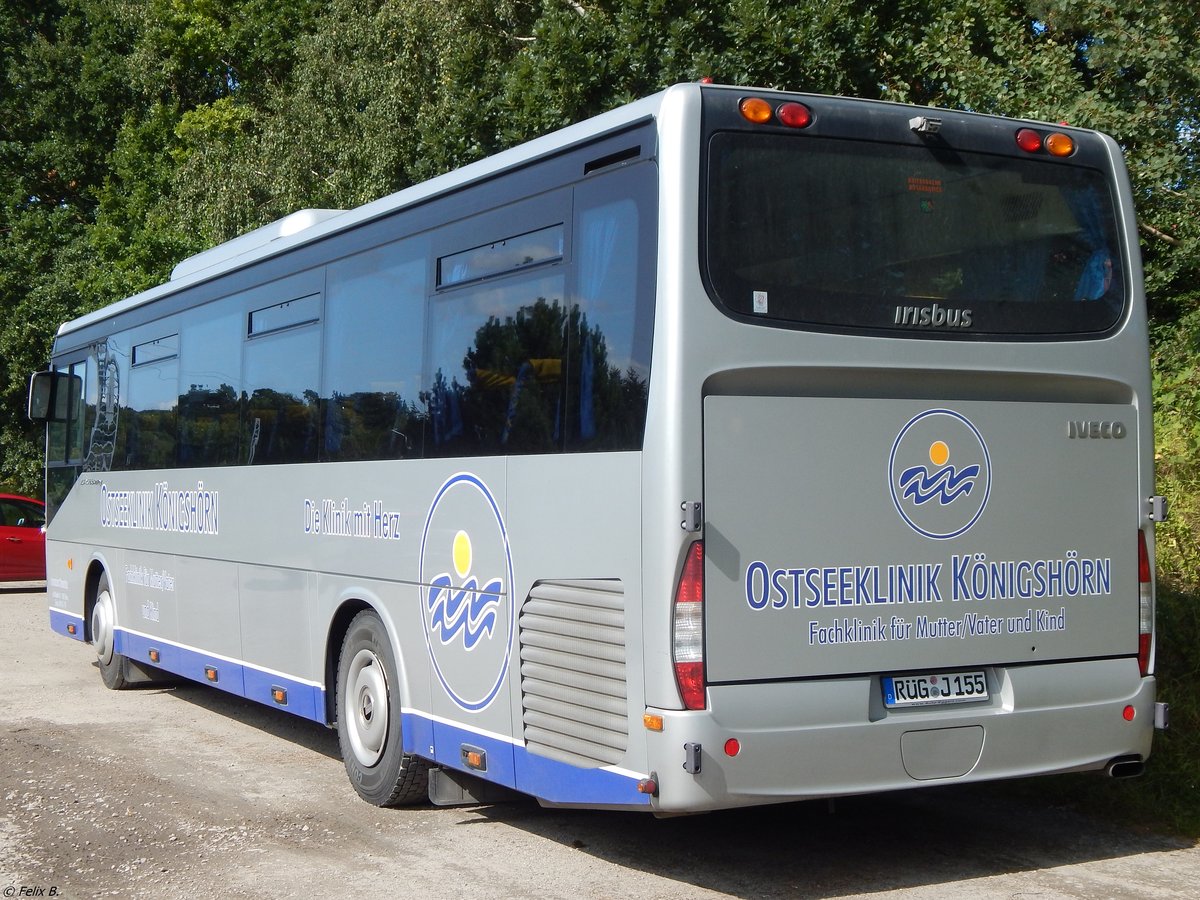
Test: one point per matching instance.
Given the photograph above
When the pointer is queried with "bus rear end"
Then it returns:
(916, 467)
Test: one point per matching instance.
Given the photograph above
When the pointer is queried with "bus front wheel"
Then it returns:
(368, 718)
(112, 663)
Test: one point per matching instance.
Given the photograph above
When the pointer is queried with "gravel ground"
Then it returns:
(185, 792)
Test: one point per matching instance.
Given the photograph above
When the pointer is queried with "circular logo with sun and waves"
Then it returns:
(940, 473)
(466, 576)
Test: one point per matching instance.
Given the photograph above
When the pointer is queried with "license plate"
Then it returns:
(927, 690)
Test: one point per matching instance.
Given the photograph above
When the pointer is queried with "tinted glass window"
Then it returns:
(152, 351)
(614, 290)
(282, 377)
(507, 255)
(150, 425)
(495, 367)
(374, 336)
(301, 311)
(855, 233)
(210, 378)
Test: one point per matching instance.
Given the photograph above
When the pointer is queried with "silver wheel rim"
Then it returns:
(102, 627)
(367, 700)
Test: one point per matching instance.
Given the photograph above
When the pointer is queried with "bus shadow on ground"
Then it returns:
(301, 732)
(853, 846)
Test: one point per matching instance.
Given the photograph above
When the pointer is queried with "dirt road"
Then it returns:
(185, 792)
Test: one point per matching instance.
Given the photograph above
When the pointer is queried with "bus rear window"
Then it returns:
(822, 232)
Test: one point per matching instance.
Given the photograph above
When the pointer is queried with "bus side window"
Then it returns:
(613, 310)
(282, 375)
(373, 339)
(210, 378)
(496, 366)
(153, 400)
(498, 332)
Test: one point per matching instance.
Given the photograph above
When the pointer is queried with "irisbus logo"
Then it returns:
(940, 473)
(466, 579)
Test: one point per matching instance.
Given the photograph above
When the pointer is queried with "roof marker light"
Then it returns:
(1059, 144)
(756, 110)
(1029, 140)
(794, 115)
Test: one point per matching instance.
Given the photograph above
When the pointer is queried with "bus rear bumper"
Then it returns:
(829, 738)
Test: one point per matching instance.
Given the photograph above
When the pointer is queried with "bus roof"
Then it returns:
(309, 225)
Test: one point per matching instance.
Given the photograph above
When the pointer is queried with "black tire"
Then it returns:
(368, 719)
(103, 624)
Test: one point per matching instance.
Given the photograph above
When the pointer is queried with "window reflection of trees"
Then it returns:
(537, 381)
(551, 358)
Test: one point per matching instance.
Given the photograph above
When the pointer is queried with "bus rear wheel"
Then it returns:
(368, 719)
(103, 622)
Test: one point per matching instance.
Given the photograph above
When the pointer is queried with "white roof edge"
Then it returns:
(325, 222)
(253, 240)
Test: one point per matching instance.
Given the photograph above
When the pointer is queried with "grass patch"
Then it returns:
(1167, 797)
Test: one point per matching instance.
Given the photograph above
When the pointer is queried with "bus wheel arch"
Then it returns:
(338, 626)
(368, 713)
(91, 587)
(101, 619)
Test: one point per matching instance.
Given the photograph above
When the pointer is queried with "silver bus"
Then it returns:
(731, 447)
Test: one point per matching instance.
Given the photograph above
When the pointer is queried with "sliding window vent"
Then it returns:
(573, 672)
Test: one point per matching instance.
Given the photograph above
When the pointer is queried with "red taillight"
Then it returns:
(687, 631)
(1029, 140)
(1143, 559)
(794, 115)
(1145, 605)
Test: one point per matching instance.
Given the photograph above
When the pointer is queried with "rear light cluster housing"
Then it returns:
(790, 114)
(1054, 143)
(687, 629)
(1145, 605)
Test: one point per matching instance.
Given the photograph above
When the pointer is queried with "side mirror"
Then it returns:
(50, 395)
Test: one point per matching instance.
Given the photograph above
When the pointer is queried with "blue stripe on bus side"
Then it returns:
(511, 764)
(304, 700)
(559, 782)
(60, 619)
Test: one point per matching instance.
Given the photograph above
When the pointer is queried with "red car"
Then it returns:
(22, 540)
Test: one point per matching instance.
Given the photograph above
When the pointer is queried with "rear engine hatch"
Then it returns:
(856, 535)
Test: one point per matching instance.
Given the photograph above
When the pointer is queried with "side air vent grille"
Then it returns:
(573, 672)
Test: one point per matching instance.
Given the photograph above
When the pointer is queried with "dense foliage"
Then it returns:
(135, 132)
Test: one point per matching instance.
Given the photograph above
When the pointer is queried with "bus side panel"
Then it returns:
(65, 589)
(577, 693)
(277, 611)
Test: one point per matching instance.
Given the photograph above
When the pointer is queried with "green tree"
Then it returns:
(99, 103)
(59, 115)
